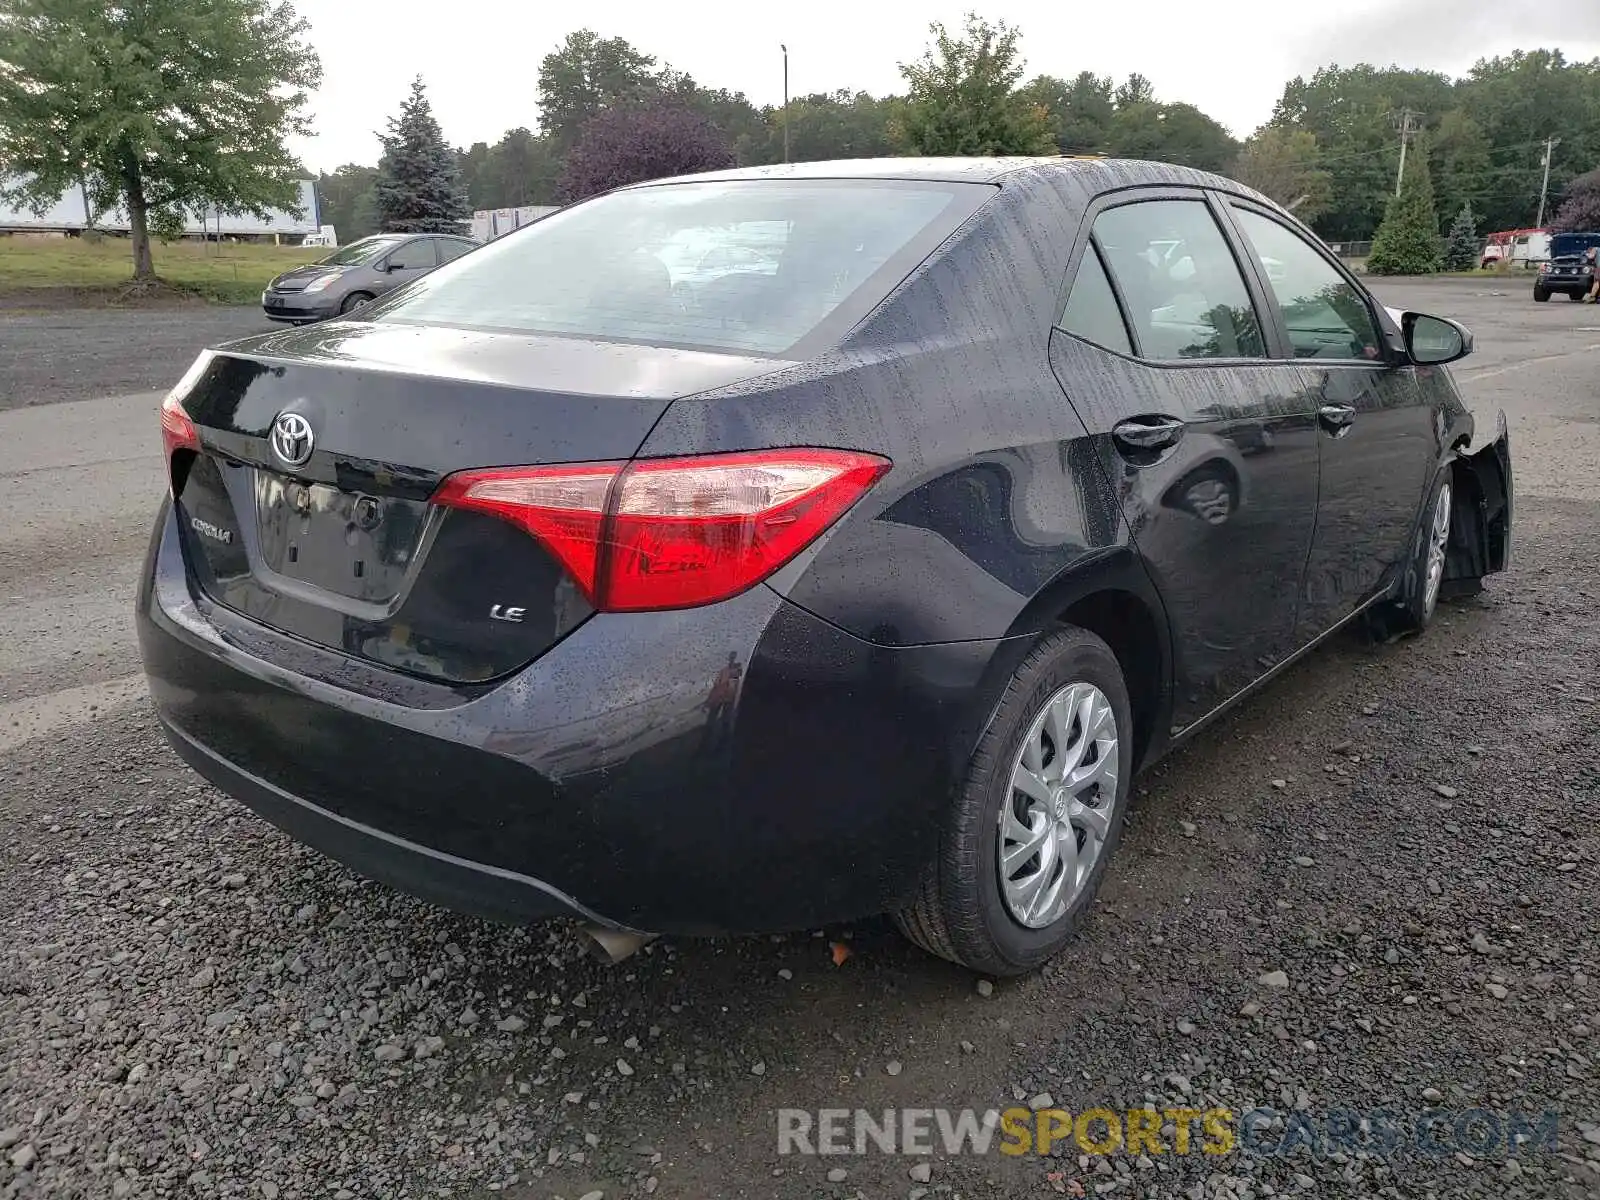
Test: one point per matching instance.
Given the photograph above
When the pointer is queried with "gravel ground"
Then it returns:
(193, 1005)
(77, 354)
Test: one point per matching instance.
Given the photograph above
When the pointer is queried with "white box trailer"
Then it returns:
(67, 215)
(490, 223)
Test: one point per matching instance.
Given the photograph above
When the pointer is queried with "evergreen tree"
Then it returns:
(419, 184)
(1407, 242)
(1462, 246)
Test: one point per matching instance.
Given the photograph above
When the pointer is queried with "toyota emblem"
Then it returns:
(291, 439)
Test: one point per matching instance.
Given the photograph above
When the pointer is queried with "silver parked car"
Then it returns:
(352, 275)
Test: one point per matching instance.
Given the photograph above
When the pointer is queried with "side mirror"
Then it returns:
(1434, 341)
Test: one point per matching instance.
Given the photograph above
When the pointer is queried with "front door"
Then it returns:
(410, 261)
(1379, 442)
(1210, 442)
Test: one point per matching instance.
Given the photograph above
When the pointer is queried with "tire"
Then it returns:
(1540, 295)
(352, 302)
(963, 910)
(1412, 611)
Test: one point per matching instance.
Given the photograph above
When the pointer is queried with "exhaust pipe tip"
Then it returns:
(611, 946)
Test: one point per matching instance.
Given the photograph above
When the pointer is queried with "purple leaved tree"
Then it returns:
(1580, 205)
(631, 144)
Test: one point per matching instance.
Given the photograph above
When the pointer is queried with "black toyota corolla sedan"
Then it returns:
(580, 578)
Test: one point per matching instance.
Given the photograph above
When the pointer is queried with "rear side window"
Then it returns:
(450, 250)
(751, 266)
(1092, 311)
(1325, 315)
(1185, 295)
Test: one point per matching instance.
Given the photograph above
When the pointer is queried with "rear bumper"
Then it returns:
(595, 782)
(453, 882)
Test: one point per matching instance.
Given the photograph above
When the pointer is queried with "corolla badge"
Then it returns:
(292, 439)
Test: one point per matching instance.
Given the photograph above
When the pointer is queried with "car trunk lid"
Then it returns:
(307, 506)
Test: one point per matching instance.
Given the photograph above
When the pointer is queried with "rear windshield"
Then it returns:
(750, 266)
(1572, 245)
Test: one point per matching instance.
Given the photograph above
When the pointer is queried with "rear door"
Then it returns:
(1204, 428)
(409, 261)
(1379, 442)
(451, 249)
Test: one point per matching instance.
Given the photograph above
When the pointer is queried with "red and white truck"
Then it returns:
(1518, 247)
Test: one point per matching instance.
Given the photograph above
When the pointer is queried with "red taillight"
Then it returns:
(177, 430)
(672, 532)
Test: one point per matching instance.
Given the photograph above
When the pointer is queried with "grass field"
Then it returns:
(227, 273)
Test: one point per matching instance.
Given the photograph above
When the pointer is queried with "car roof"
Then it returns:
(942, 170)
(1091, 175)
(405, 237)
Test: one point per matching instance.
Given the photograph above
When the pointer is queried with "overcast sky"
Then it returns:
(1229, 57)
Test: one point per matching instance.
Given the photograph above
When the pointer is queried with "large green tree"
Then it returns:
(419, 184)
(521, 168)
(1407, 242)
(1081, 110)
(1174, 133)
(162, 107)
(1282, 164)
(824, 126)
(1518, 101)
(588, 74)
(1355, 113)
(962, 96)
(349, 201)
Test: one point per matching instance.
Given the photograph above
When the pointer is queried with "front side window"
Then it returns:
(413, 256)
(1326, 315)
(1092, 311)
(748, 265)
(1185, 295)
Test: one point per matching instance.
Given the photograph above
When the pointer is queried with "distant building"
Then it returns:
(490, 223)
(67, 217)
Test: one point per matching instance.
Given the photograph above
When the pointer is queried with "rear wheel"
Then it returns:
(1039, 814)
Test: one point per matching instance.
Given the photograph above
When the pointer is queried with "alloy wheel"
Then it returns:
(1438, 542)
(1058, 814)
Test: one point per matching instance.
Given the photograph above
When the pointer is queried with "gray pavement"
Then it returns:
(82, 354)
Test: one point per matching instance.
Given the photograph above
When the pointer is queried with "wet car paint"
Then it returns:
(599, 779)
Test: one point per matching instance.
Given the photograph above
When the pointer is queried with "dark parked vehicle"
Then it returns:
(553, 584)
(353, 275)
(1568, 272)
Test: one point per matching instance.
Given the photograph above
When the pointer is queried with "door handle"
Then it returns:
(1148, 433)
(1337, 417)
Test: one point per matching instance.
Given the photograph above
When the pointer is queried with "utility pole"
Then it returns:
(785, 50)
(1408, 126)
(1544, 188)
